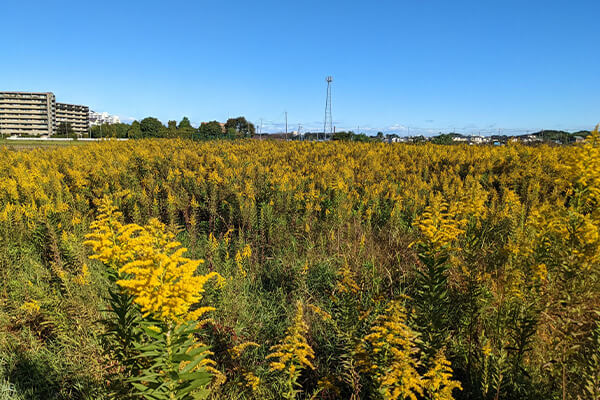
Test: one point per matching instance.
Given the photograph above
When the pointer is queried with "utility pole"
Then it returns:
(286, 133)
(328, 121)
(260, 130)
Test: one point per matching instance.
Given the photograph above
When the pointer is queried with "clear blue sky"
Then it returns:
(428, 65)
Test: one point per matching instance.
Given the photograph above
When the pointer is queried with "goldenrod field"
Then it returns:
(330, 271)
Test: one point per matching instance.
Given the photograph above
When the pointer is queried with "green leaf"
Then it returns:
(197, 383)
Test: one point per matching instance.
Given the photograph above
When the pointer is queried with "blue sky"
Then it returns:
(425, 65)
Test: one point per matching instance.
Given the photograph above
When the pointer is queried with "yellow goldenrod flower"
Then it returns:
(150, 265)
(294, 353)
(346, 284)
(437, 381)
(388, 353)
(252, 381)
(237, 351)
(31, 307)
(439, 226)
(83, 278)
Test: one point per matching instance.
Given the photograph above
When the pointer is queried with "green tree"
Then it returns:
(110, 130)
(185, 128)
(64, 129)
(151, 127)
(170, 131)
(97, 132)
(343, 135)
(361, 138)
(212, 129)
(185, 124)
(134, 131)
(121, 130)
(442, 139)
(232, 133)
(240, 126)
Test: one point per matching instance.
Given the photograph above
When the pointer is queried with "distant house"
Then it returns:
(578, 139)
(477, 139)
(526, 139)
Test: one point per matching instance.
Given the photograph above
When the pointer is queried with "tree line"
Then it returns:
(151, 127)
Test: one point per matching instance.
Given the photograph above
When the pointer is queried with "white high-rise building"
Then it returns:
(103, 118)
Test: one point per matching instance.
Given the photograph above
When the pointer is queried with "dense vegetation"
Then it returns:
(331, 270)
(151, 127)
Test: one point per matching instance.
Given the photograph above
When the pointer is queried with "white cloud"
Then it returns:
(126, 119)
(396, 127)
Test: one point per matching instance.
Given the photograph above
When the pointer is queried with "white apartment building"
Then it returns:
(97, 118)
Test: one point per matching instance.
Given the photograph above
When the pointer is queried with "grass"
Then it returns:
(38, 144)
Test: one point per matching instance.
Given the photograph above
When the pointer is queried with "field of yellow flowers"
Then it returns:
(266, 270)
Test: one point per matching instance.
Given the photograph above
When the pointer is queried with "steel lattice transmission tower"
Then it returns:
(328, 122)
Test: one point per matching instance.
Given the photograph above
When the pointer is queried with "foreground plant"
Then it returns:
(151, 323)
(440, 227)
(389, 354)
(293, 355)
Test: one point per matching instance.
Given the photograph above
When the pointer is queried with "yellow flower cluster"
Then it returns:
(240, 256)
(320, 312)
(389, 353)
(365, 180)
(161, 279)
(252, 381)
(236, 351)
(586, 171)
(31, 307)
(108, 237)
(150, 265)
(438, 380)
(576, 234)
(346, 283)
(294, 353)
(439, 226)
(84, 277)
